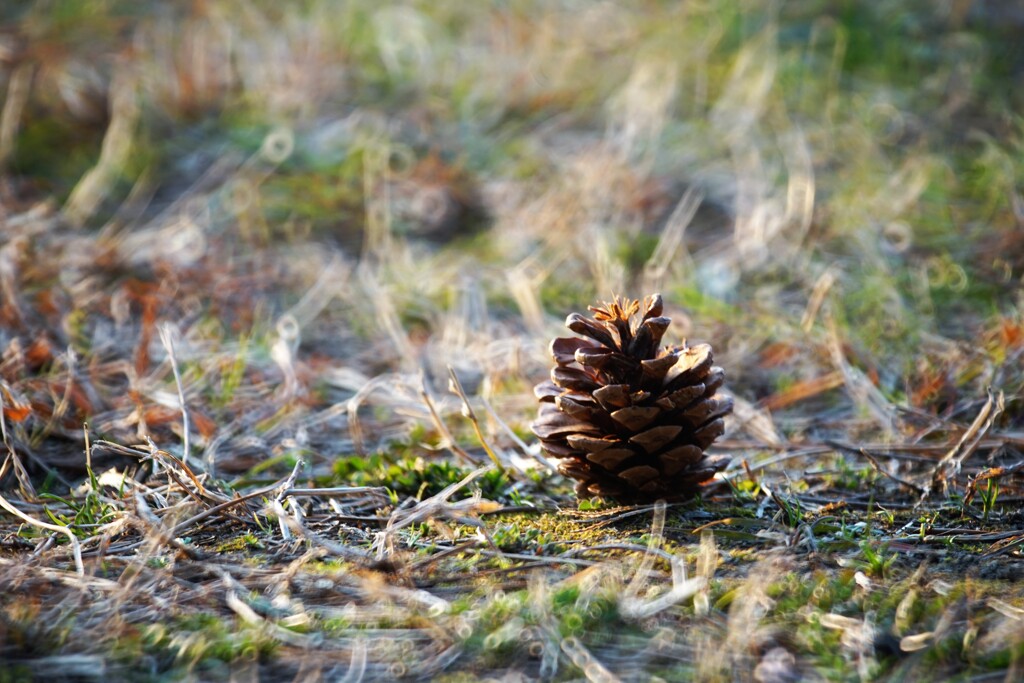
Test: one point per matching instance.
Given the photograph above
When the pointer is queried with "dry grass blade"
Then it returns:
(802, 391)
(167, 334)
(631, 604)
(448, 441)
(438, 506)
(12, 459)
(76, 547)
(820, 290)
(877, 466)
(455, 386)
(125, 108)
(951, 462)
(249, 616)
(157, 533)
(583, 659)
(18, 87)
(858, 385)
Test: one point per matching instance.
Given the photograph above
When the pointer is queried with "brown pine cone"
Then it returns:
(628, 421)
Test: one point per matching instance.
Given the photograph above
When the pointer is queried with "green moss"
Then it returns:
(417, 477)
(244, 542)
(192, 640)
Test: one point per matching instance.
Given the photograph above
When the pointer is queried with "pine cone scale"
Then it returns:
(635, 417)
(570, 378)
(654, 439)
(589, 328)
(611, 458)
(613, 396)
(563, 350)
(680, 458)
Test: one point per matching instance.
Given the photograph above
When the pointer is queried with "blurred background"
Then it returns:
(319, 205)
(291, 218)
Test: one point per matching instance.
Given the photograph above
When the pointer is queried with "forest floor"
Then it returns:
(245, 246)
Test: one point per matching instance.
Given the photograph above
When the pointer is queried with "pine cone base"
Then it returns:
(624, 419)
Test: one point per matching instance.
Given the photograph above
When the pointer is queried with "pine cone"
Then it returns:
(627, 421)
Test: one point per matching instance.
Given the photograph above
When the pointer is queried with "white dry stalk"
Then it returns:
(278, 508)
(741, 106)
(682, 589)
(249, 616)
(283, 354)
(386, 316)
(655, 540)
(469, 314)
(821, 288)
(282, 519)
(167, 334)
(333, 277)
(640, 110)
(581, 657)
(357, 663)
(858, 386)
(539, 601)
(671, 250)
(76, 548)
(747, 610)
(800, 190)
(632, 606)
(534, 453)
(1006, 631)
(1006, 609)
(10, 260)
(707, 562)
(858, 638)
(355, 427)
(94, 186)
(18, 87)
(524, 288)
